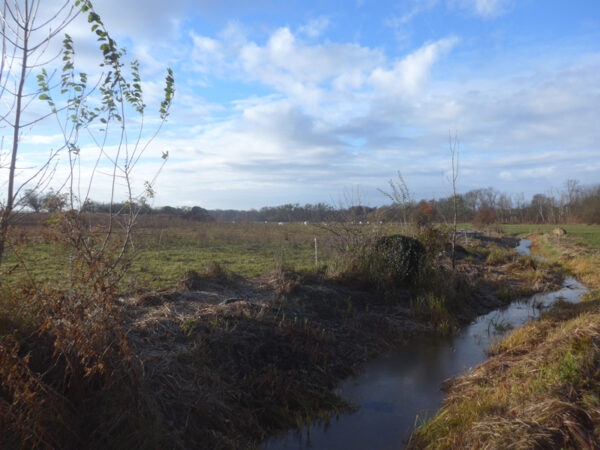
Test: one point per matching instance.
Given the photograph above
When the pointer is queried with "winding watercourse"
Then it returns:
(397, 389)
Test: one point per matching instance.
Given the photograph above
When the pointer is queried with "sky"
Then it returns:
(298, 101)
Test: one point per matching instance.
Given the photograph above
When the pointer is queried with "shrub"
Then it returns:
(435, 241)
(398, 258)
(433, 309)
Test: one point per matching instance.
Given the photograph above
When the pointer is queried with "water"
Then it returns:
(524, 247)
(403, 386)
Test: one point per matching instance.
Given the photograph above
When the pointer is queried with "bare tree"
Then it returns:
(401, 199)
(454, 146)
(573, 192)
(25, 40)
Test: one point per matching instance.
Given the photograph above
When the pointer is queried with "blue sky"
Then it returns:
(296, 101)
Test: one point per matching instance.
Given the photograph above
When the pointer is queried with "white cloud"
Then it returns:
(485, 8)
(285, 59)
(311, 73)
(333, 114)
(315, 27)
(208, 54)
(303, 71)
(36, 139)
(408, 75)
(415, 7)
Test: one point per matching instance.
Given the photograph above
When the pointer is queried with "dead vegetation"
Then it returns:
(220, 361)
(541, 389)
(68, 377)
(227, 374)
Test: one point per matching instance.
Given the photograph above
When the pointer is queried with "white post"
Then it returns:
(316, 254)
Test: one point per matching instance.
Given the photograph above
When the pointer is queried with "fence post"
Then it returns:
(316, 254)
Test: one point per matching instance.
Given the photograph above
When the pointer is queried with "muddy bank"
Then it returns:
(231, 361)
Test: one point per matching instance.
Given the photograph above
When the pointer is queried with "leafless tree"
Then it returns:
(454, 146)
(26, 36)
(401, 199)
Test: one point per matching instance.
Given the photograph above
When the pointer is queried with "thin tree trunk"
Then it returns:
(17, 125)
(454, 223)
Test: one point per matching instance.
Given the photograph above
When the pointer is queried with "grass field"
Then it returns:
(589, 234)
(164, 253)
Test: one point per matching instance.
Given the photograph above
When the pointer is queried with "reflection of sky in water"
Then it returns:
(397, 387)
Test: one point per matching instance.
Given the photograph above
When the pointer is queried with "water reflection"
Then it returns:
(401, 387)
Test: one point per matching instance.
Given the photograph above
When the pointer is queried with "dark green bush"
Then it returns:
(398, 258)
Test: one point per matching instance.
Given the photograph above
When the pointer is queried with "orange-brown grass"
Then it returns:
(67, 376)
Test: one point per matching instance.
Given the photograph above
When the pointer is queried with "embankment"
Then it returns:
(541, 387)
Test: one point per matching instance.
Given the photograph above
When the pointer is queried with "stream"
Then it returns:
(398, 389)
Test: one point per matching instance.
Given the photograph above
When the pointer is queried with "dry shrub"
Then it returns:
(68, 380)
(67, 376)
(284, 282)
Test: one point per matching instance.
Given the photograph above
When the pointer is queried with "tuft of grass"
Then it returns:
(432, 309)
(499, 256)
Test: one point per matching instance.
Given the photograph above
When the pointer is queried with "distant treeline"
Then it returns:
(573, 204)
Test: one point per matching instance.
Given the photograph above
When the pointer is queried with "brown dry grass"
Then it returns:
(541, 390)
(542, 387)
(229, 375)
(67, 376)
(180, 369)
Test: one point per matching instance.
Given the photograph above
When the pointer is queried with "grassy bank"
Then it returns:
(540, 389)
(586, 234)
(221, 360)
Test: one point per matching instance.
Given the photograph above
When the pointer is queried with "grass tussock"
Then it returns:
(499, 256)
(432, 309)
(213, 272)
